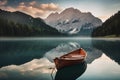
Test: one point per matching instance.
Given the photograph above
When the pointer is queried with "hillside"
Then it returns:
(109, 27)
(21, 24)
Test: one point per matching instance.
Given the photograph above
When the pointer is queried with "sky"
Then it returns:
(102, 9)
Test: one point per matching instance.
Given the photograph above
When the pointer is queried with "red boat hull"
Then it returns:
(70, 59)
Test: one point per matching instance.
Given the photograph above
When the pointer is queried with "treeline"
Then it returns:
(12, 29)
(109, 27)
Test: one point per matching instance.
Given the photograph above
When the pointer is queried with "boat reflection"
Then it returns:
(71, 72)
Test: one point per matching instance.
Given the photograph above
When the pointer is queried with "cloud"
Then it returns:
(3, 5)
(32, 8)
(32, 3)
(37, 69)
(50, 7)
(3, 2)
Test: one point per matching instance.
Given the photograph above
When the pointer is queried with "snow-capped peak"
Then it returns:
(72, 20)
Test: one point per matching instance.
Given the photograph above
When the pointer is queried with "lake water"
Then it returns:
(32, 59)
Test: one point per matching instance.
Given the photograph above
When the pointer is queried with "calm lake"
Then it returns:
(32, 59)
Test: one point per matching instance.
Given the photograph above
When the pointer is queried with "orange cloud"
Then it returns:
(37, 10)
(22, 3)
(50, 7)
(33, 8)
(3, 2)
(32, 3)
(30, 10)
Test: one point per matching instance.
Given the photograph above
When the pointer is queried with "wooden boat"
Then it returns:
(71, 58)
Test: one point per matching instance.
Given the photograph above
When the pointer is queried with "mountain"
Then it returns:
(72, 21)
(21, 24)
(110, 27)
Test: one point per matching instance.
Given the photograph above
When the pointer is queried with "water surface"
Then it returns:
(32, 59)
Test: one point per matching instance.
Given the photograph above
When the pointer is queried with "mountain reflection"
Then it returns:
(65, 48)
(71, 72)
(110, 47)
(92, 54)
(61, 49)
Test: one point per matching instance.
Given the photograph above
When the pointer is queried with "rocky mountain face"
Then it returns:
(72, 21)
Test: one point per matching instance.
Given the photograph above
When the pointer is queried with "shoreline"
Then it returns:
(58, 38)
